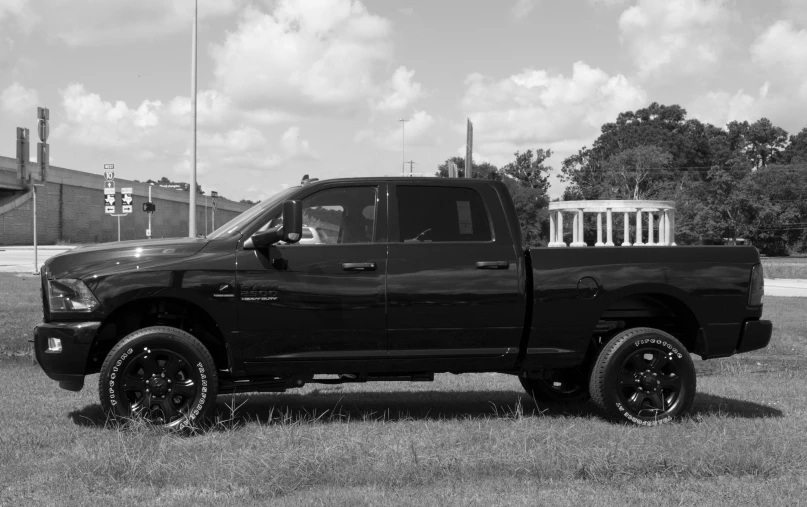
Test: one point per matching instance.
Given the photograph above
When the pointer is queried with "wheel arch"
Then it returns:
(152, 311)
(656, 306)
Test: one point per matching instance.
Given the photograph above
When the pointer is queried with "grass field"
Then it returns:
(461, 440)
(785, 267)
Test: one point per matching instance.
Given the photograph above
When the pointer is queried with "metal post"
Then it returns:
(192, 204)
(205, 215)
(403, 146)
(36, 252)
(149, 213)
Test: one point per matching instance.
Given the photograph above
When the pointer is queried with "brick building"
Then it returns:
(70, 209)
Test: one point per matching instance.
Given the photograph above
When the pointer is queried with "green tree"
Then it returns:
(530, 172)
(796, 150)
(485, 170)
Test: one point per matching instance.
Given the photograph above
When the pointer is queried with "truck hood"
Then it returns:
(94, 259)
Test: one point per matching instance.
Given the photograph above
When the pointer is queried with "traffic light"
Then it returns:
(149, 207)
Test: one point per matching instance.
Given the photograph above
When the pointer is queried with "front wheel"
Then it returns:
(645, 376)
(161, 374)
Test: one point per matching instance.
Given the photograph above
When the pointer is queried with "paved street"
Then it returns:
(20, 259)
(785, 287)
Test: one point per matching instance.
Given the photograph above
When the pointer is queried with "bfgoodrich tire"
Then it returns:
(645, 376)
(161, 374)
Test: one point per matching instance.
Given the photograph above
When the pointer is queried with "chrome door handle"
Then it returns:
(358, 266)
(493, 265)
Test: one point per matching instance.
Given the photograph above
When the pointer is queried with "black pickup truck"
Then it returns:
(356, 280)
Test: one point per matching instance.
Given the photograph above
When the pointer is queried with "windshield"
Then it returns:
(237, 224)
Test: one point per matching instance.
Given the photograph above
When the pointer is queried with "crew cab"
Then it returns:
(418, 276)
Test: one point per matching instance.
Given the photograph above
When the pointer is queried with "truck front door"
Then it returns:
(322, 299)
(452, 279)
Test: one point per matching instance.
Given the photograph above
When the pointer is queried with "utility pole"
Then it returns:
(192, 210)
(148, 231)
(403, 146)
(43, 159)
(411, 163)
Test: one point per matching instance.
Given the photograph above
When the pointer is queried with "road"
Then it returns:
(785, 287)
(20, 259)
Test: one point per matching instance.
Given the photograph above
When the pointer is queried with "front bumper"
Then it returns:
(68, 365)
(756, 335)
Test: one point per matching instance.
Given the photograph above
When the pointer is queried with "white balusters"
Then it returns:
(599, 231)
(666, 222)
(626, 226)
(638, 241)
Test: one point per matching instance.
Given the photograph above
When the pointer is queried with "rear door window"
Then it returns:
(441, 214)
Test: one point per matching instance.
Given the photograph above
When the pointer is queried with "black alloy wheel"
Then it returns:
(160, 374)
(645, 376)
(562, 386)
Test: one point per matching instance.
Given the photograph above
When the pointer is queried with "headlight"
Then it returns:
(67, 295)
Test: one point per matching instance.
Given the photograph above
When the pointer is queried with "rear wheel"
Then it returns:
(645, 376)
(161, 374)
(562, 386)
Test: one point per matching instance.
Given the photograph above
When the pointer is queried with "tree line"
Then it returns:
(746, 181)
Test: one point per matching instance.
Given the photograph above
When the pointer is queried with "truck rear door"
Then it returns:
(452, 277)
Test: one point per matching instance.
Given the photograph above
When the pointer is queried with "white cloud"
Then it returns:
(401, 91)
(19, 101)
(415, 132)
(90, 121)
(782, 49)
(795, 10)
(522, 8)
(534, 109)
(680, 36)
(609, 3)
(311, 58)
(96, 22)
(157, 133)
(18, 12)
(721, 107)
(294, 146)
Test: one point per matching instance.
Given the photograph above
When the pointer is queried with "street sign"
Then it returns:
(109, 174)
(109, 184)
(109, 200)
(108, 191)
(109, 209)
(109, 166)
(126, 199)
(148, 233)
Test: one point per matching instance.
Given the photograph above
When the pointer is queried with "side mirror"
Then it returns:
(290, 231)
(292, 221)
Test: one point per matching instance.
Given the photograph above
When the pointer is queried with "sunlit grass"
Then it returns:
(461, 440)
(785, 267)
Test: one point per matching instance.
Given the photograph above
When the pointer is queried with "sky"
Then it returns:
(294, 87)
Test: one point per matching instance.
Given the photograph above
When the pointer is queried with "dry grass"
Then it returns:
(461, 440)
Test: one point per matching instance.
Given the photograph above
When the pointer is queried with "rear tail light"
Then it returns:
(757, 286)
